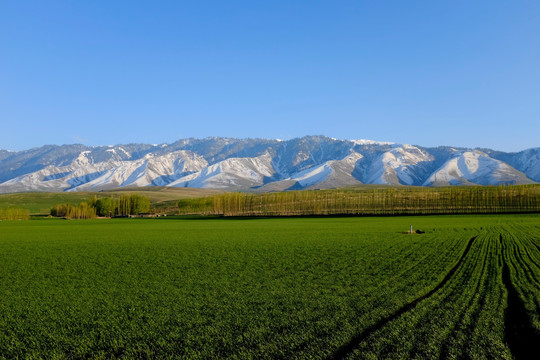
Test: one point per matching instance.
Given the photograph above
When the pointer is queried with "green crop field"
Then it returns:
(304, 288)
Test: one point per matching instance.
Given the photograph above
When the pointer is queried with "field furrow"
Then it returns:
(446, 324)
(348, 349)
(467, 313)
(520, 334)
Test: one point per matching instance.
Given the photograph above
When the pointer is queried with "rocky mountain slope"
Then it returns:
(260, 164)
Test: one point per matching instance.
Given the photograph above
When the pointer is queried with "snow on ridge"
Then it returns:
(313, 175)
(371, 142)
(82, 174)
(528, 161)
(249, 171)
(317, 174)
(82, 158)
(396, 166)
(113, 166)
(124, 151)
(475, 167)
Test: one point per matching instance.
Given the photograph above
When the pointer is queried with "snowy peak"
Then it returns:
(310, 162)
(230, 174)
(329, 174)
(403, 164)
(528, 161)
(475, 167)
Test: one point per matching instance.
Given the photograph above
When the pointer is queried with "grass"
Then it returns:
(265, 288)
(40, 203)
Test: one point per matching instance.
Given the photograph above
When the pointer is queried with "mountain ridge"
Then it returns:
(260, 165)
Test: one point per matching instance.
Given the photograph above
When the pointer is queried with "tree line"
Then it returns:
(371, 201)
(124, 205)
(14, 214)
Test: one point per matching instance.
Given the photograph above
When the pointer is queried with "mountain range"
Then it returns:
(311, 162)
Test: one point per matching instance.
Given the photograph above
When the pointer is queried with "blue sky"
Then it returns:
(462, 73)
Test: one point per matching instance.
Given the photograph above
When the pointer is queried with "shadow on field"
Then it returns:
(520, 335)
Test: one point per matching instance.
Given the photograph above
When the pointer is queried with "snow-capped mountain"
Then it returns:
(310, 162)
(233, 172)
(402, 164)
(475, 167)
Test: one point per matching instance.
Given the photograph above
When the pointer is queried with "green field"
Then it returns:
(321, 288)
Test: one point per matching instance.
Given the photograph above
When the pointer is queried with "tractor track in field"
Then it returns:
(520, 335)
(349, 347)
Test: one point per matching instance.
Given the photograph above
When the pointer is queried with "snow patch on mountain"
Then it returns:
(371, 142)
(230, 173)
(397, 166)
(528, 161)
(312, 176)
(475, 167)
(329, 174)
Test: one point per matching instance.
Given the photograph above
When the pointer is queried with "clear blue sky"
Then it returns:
(462, 73)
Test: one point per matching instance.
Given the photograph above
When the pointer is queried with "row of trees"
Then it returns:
(81, 211)
(196, 206)
(14, 214)
(124, 205)
(372, 201)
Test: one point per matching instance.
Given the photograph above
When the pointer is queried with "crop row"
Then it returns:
(462, 319)
(489, 308)
(521, 277)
